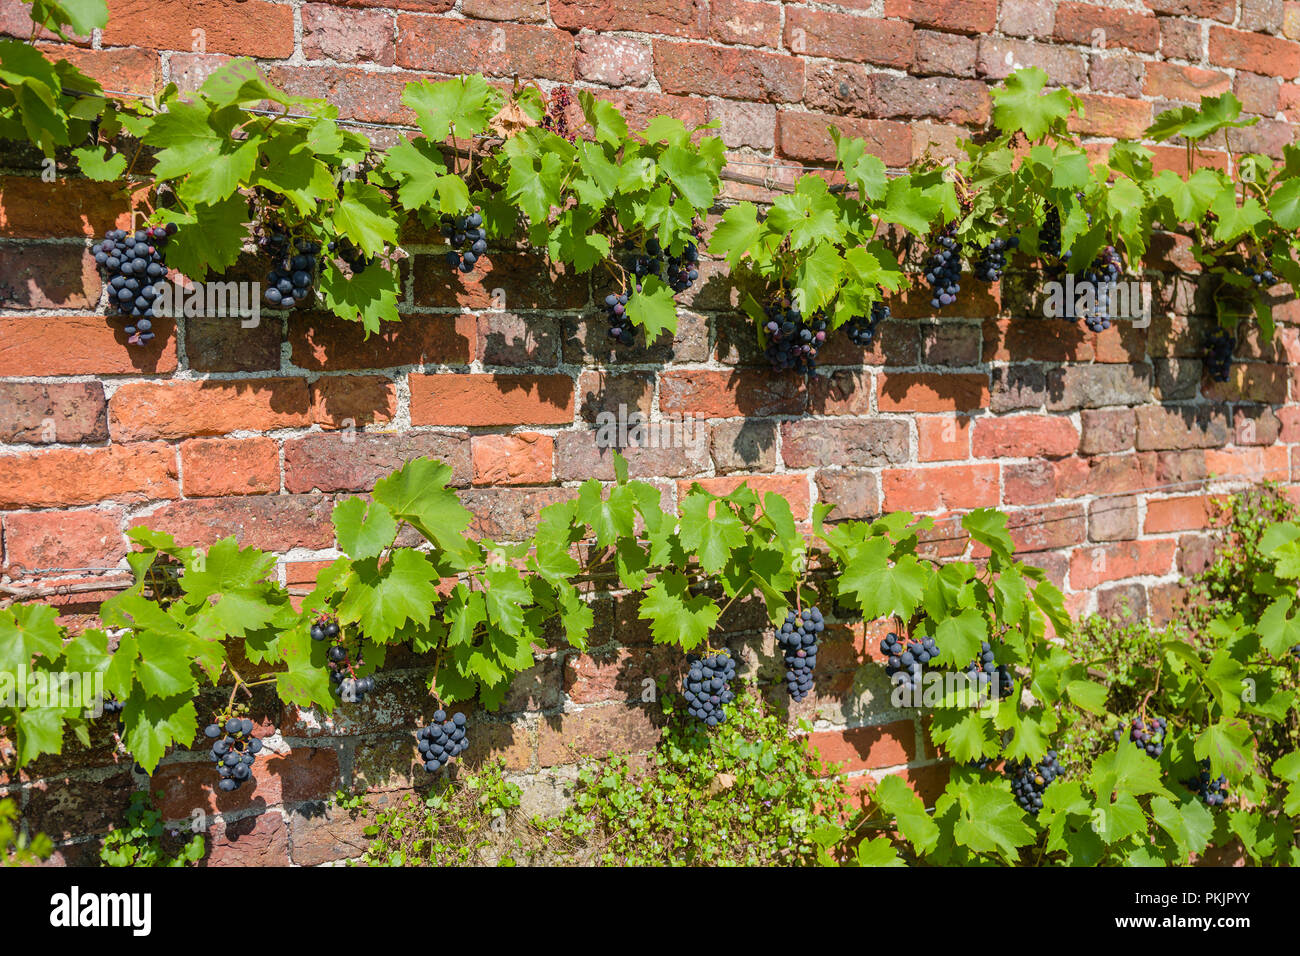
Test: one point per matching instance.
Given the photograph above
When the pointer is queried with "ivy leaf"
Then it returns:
(1021, 105)
(737, 234)
(153, 724)
(362, 214)
(363, 530)
(418, 493)
(382, 601)
(900, 802)
(28, 631)
(676, 616)
(464, 105)
(368, 297)
(653, 309)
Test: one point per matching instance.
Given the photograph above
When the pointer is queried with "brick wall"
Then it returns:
(1105, 449)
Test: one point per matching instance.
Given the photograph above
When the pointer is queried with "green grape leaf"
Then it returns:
(676, 616)
(369, 297)
(900, 802)
(363, 529)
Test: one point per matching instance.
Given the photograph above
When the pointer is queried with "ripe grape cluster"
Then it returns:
(290, 283)
(325, 628)
(133, 267)
(992, 259)
(1102, 276)
(984, 670)
(234, 748)
(798, 637)
(620, 326)
(677, 272)
(707, 689)
(1211, 791)
(1218, 353)
(943, 272)
(1049, 236)
(442, 740)
(862, 329)
(1028, 781)
(793, 341)
(904, 662)
(1149, 737)
(1260, 273)
(467, 238)
(350, 688)
(111, 705)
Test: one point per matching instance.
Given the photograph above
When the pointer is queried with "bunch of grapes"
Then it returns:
(1260, 273)
(1049, 237)
(1149, 737)
(442, 740)
(620, 326)
(342, 668)
(111, 705)
(677, 272)
(1212, 792)
(706, 687)
(325, 628)
(1102, 276)
(467, 238)
(793, 341)
(943, 272)
(862, 329)
(984, 670)
(1218, 353)
(357, 261)
(290, 283)
(1028, 782)
(798, 637)
(234, 748)
(904, 663)
(991, 261)
(134, 268)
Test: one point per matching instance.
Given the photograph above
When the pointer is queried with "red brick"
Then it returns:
(684, 18)
(1028, 483)
(1112, 116)
(67, 476)
(304, 773)
(1188, 513)
(1025, 436)
(1126, 559)
(247, 28)
(128, 70)
(842, 36)
(190, 409)
(353, 401)
(731, 73)
(999, 58)
(954, 16)
(523, 458)
(31, 208)
(63, 539)
(270, 522)
(491, 399)
(520, 11)
(1046, 529)
(497, 49)
(615, 61)
(1255, 464)
(62, 412)
(940, 487)
(243, 466)
(525, 281)
(866, 748)
(943, 438)
(1079, 23)
(322, 343)
(364, 95)
(931, 392)
(731, 394)
(806, 137)
(80, 345)
(1269, 56)
(595, 732)
(261, 840)
(50, 277)
(794, 488)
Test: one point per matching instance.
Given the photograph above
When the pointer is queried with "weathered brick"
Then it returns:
(732, 73)
(1271, 56)
(491, 399)
(999, 58)
(467, 46)
(854, 493)
(1117, 74)
(1113, 519)
(1107, 431)
(348, 36)
(65, 412)
(813, 442)
(1092, 566)
(522, 458)
(1185, 83)
(525, 281)
(144, 410)
(745, 21)
(270, 522)
(1096, 386)
(1175, 427)
(1080, 23)
(1224, 10)
(930, 392)
(686, 18)
(806, 137)
(942, 438)
(1047, 528)
(955, 16)
(748, 445)
(1181, 39)
(615, 61)
(1112, 116)
(733, 394)
(510, 514)
(63, 539)
(1028, 483)
(520, 11)
(354, 462)
(867, 748)
(944, 53)
(1027, 18)
(1184, 513)
(595, 732)
(261, 840)
(1016, 387)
